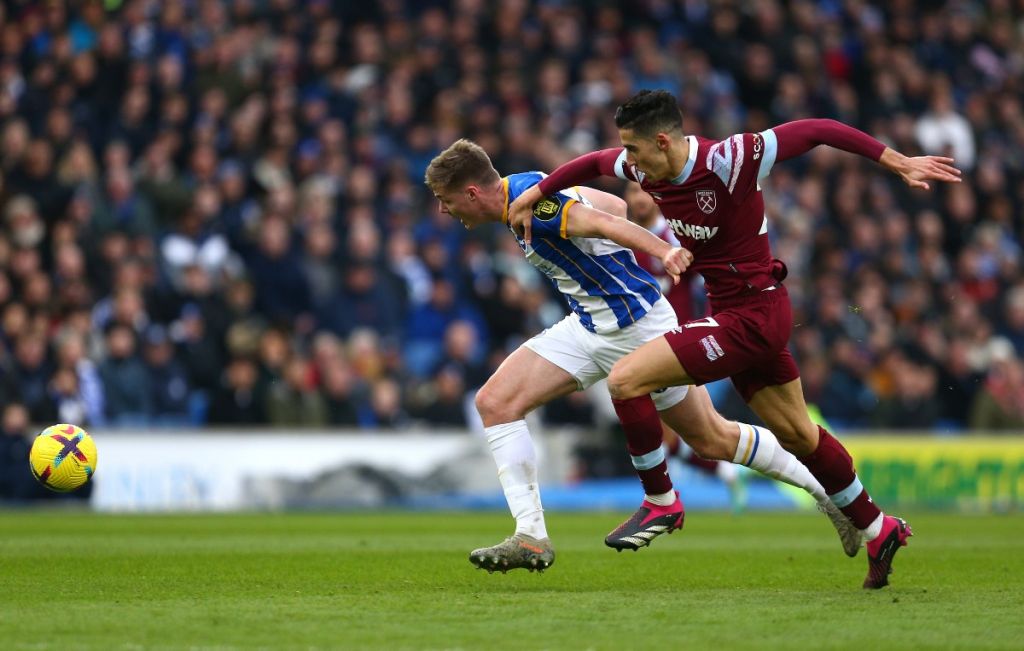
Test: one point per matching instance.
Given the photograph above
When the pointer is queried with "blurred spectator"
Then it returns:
(362, 301)
(911, 402)
(999, 405)
(166, 377)
(197, 349)
(237, 401)
(386, 410)
(276, 269)
(428, 323)
(129, 400)
(32, 372)
(442, 400)
(71, 356)
(16, 480)
(122, 208)
(293, 401)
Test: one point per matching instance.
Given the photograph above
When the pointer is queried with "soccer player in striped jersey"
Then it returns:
(710, 193)
(615, 306)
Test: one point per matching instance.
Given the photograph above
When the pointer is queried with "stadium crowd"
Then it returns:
(213, 210)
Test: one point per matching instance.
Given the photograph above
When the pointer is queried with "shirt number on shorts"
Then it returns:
(706, 322)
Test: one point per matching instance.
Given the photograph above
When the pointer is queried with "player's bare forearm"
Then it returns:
(604, 201)
(584, 221)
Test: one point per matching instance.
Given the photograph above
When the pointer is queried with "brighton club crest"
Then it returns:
(706, 201)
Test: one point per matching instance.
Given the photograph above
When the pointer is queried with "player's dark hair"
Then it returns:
(650, 112)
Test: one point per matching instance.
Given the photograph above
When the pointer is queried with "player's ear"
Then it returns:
(663, 141)
(472, 192)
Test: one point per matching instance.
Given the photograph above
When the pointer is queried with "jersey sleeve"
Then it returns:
(622, 169)
(740, 161)
(580, 170)
(551, 215)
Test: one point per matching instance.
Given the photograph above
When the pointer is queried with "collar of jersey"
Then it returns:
(504, 209)
(690, 160)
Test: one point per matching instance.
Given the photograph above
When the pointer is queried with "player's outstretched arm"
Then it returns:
(584, 221)
(800, 136)
(575, 172)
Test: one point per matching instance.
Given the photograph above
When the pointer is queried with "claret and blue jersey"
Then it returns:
(601, 281)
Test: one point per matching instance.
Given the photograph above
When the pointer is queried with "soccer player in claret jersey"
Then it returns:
(615, 307)
(643, 211)
(709, 191)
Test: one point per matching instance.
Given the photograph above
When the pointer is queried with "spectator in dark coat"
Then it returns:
(237, 402)
(168, 379)
(32, 370)
(125, 381)
(16, 480)
(275, 268)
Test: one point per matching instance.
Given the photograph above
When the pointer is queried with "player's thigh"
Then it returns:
(608, 350)
(705, 430)
(523, 382)
(783, 409)
(650, 367)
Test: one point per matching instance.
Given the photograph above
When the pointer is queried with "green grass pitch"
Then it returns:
(402, 581)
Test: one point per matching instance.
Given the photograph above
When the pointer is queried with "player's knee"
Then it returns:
(492, 407)
(622, 382)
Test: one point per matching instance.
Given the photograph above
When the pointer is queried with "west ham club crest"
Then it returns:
(706, 201)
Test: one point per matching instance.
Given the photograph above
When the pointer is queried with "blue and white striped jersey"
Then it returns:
(600, 280)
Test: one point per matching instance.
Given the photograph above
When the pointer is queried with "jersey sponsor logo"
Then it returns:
(711, 348)
(692, 231)
(546, 209)
(706, 201)
(758, 146)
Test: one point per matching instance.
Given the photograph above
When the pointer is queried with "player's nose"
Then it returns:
(443, 208)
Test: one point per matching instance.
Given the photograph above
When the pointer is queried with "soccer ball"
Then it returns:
(63, 457)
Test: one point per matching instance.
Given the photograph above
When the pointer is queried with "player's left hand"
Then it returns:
(917, 170)
(520, 212)
(676, 261)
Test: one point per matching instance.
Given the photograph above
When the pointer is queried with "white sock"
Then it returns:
(874, 529)
(759, 449)
(662, 499)
(516, 458)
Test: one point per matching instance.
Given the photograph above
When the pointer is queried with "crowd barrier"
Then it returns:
(225, 471)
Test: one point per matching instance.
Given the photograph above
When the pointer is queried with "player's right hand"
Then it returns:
(520, 212)
(676, 262)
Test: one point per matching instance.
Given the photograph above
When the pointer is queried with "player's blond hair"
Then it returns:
(464, 162)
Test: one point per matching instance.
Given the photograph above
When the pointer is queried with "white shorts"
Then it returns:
(588, 356)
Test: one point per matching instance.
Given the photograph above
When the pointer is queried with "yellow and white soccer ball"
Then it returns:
(63, 457)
